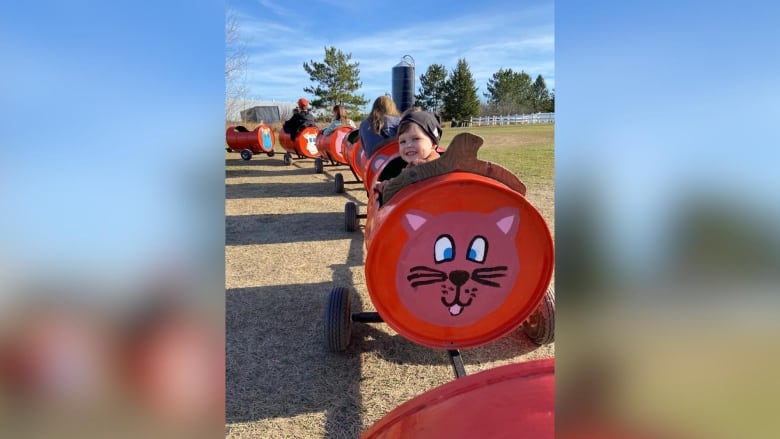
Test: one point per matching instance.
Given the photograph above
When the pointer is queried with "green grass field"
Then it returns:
(526, 150)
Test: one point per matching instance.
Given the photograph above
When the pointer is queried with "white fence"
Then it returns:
(513, 119)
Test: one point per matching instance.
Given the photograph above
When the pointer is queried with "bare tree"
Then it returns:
(235, 64)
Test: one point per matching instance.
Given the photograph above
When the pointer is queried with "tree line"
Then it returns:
(451, 94)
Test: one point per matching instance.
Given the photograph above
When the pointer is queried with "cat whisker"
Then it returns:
(485, 282)
(428, 269)
(488, 276)
(489, 269)
(426, 276)
(426, 282)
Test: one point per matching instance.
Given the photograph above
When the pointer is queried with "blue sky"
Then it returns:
(281, 36)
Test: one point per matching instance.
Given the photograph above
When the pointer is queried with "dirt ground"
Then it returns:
(286, 248)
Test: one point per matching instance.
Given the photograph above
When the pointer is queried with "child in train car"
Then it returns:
(340, 120)
(380, 125)
(300, 119)
(419, 134)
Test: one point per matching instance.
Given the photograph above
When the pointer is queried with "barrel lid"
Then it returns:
(458, 260)
(306, 142)
(515, 400)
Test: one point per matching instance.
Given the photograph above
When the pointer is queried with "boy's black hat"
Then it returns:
(427, 121)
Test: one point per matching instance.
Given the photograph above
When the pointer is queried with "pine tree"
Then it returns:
(510, 92)
(336, 81)
(461, 101)
(433, 86)
(542, 100)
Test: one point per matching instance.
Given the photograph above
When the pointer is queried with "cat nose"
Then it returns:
(459, 277)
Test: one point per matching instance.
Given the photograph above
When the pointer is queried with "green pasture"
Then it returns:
(526, 150)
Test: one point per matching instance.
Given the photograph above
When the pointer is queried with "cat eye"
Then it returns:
(444, 249)
(477, 250)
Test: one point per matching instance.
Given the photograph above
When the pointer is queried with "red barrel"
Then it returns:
(261, 139)
(513, 401)
(330, 146)
(463, 260)
(382, 157)
(353, 152)
(304, 145)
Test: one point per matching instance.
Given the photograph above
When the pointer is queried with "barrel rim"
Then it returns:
(404, 321)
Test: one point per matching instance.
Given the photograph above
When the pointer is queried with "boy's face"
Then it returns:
(414, 144)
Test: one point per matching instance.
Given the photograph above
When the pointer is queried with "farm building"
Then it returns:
(256, 111)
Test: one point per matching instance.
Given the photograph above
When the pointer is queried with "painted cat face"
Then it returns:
(311, 142)
(458, 267)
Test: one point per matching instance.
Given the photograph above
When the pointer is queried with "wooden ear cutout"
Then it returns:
(461, 155)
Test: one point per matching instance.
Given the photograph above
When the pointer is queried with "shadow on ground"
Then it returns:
(293, 227)
(273, 190)
(257, 160)
(281, 172)
(276, 362)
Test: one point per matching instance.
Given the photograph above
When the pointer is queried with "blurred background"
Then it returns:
(112, 232)
(667, 220)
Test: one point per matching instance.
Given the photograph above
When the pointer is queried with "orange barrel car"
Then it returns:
(385, 159)
(330, 148)
(352, 149)
(515, 400)
(260, 140)
(304, 146)
(457, 257)
(385, 163)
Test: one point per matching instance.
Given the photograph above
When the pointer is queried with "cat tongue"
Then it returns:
(455, 309)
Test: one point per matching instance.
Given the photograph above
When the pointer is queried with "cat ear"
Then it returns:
(507, 219)
(414, 219)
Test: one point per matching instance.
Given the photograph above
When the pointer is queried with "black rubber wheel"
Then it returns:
(540, 327)
(246, 154)
(338, 319)
(339, 183)
(350, 216)
(318, 165)
(287, 159)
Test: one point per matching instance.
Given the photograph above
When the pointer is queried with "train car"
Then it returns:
(383, 164)
(304, 146)
(260, 140)
(331, 149)
(515, 400)
(355, 157)
(457, 257)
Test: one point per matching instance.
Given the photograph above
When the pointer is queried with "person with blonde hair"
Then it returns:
(340, 120)
(380, 125)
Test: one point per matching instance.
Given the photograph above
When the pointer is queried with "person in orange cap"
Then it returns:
(299, 120)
